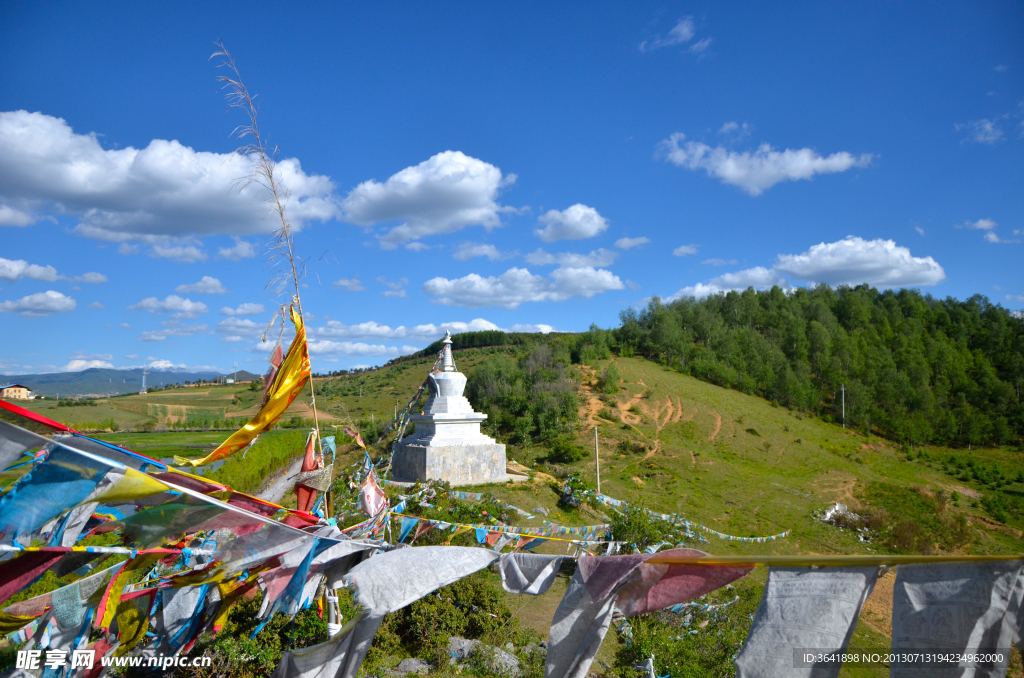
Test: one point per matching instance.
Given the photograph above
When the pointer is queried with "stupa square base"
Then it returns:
(457, 464)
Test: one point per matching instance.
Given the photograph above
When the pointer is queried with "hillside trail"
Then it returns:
(280, 484)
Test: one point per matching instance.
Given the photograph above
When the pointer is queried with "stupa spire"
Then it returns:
(447, 362)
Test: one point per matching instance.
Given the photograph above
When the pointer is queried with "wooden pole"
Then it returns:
(597, 458)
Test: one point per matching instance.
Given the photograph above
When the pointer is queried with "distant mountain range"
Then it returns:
(104, 382)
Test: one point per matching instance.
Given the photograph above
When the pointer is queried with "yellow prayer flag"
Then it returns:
(133, 485)
(116, 587)
(293, 375)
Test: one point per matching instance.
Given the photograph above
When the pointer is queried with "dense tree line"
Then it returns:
(915, 368)
(532, 397)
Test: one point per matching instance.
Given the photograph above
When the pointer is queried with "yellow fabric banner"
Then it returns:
(292, 376)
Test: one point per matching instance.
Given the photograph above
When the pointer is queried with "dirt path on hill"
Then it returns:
(718, 425)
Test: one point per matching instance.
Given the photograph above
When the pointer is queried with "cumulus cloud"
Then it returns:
(684, 250)
(543, 329)
(12, 270)
(758, 277)
(239, 329)
(596, 258)
(443, 194)
(39, 304)
(178, 307)
(468, 250)
(242, 249)
(165, 190)
(326, 348)
(394, 288)
(243, 309)
(574, 223)
(375, 330)
(981, 224)
(518, 285)
(10, 216)
(683, 32)
(630, 243)
(91, 277)
(416, 246)
(79, 364)
(173, 329)
(206, 285)
(758, 171)
(349, 284)
(185, 254)
(851, 261)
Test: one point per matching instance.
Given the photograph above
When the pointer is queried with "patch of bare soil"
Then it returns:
(718, 425)
(842, 489)
(877, 611)
(627, 416)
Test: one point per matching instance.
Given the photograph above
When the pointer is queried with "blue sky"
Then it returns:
(475, 165)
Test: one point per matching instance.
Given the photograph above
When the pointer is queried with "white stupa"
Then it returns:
(447, 444)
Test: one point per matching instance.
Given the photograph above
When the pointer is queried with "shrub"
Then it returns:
(608, 382)
(564, 451)
(636, 526)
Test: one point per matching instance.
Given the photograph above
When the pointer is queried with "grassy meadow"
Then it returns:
(730, 461)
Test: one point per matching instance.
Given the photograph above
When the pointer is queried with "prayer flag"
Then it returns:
(290, 379)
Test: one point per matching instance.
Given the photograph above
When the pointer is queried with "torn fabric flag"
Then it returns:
(956, 608)
(529, 573)
(815, 609)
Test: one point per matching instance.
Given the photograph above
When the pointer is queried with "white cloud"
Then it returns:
(91, 277)
(468, 250)
(14, 217)
(984, 131)
(39, 304)
(630, 243)
(444, 194)
(758, 171)
(416, 246)
(735, 130)
(165, 190)
(684, 250)
(165, 365)
(95, 304)
(235, 328)
(132, 356)
(981, 224)
(919, 230)
(173, 330)
(719, 262)
(700, 46)
(375, 330)
(206, 285)
(989, 226)
(12, 270)
(395, 289)
(681, 33)
(78, 364)
(758, 277)
(185, 254)
(180, 308)
(243, 309)
(325, 348)
(574, 223)
(349, 284)
(596, 258)
(543, 329)
(853, 261)
(243, 249)
(518, 285)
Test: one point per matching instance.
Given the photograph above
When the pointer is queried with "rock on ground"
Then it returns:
(497, 660)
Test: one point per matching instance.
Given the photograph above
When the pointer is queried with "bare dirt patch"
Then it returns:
(877, 611)
(718, 425)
